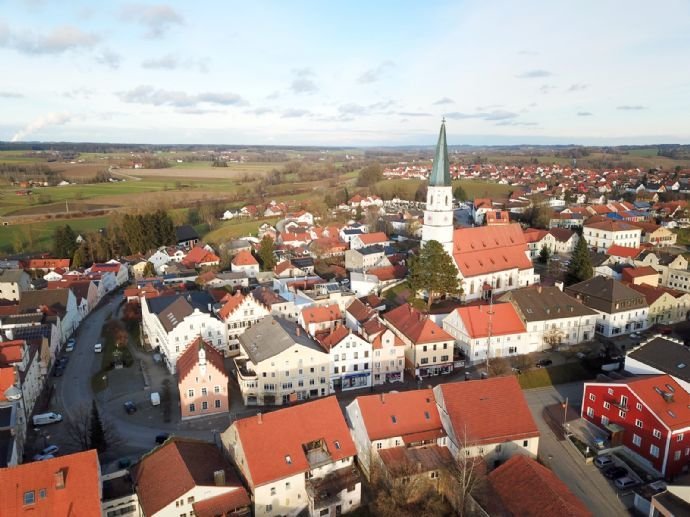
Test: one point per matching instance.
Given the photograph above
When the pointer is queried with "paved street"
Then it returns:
(560, 456)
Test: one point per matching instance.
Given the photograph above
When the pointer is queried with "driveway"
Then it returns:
(585, 481)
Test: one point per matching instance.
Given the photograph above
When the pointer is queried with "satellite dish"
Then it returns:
(13, 393)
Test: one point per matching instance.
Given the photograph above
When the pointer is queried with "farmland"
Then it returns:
(406, 189)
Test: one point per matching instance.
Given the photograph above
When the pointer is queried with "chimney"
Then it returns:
(383, 398)
(219, 477)
(559, 285)
(260, 417)
(297, 330)
(60, 479)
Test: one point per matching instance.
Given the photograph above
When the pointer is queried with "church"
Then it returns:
(490, 259)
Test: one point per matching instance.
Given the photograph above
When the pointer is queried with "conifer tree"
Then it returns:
(433, 271)
(580, 267)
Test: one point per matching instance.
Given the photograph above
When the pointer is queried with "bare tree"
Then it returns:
(78, 427)
(499, 366)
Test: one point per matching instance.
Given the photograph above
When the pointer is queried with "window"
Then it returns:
(269, 507)
(592, 397)
(621, 414)
(42, 493)
(190, 393)
(637, 440)
(379, 445)
(192, 408)
(433, 475)
(624, 401)
(525, 443)
(654, 451)
(656, 433)
(590, 412)
(337, 444)
(638, 423)
(273, 490)
(216, 389)
(680, 437)
(676, 456)
(204, 392)
(204, 405)
(190, 499)
(217, 403)
(29, 497)
(604, 420)
(639, 406)
(607, 405)
(287, 485)
(424, 360)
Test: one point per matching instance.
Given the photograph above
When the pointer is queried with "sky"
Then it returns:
(345, 73)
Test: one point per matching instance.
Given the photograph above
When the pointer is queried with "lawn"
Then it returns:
(561, 374)
(234, 229)
(406, 189)
(39, 236)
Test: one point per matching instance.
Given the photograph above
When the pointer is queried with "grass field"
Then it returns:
(190, 170)
(561, 374)
(39, 236)
(234, 229)
(405, 189)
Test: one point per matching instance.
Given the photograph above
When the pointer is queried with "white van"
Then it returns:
(47, 418)
(98, 348)
(155, 398)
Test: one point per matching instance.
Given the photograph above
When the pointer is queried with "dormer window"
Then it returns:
(395, 420)
(288, 459)
(337, 444)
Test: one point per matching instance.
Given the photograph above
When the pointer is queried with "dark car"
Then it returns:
(615, 472)
(62, 362)
(542, 363)
(663, 329)
(160, 438)
(130, 407)
(58, 371)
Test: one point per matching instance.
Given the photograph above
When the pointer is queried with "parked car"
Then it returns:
(625, 482)
(62, 362)
(543, 363)
(58, 371)
(41, 457)
(71, 343)
(160, 438)
(98, 348)
(47, 418)
(602, 461)
(665, 330)
(130, 407)
(615, 472)
(155, 398)
(50, 449)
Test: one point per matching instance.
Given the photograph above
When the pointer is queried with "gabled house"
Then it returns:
(239, 312)
(350, 358)
(369, 239)
(202, 381)
(114, 267)
(186, 236)
(660, 355)
(13, 282)
(60, 304)
(199, 257)
(320, 318)
(244, 262)
(297, 459)
(602, 234)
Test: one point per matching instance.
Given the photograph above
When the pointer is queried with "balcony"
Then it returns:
(317, 453)
(325, 491)
(244, 369)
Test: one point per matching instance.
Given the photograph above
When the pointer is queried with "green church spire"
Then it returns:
(440, 173)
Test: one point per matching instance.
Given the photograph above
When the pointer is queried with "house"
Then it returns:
(537, 239)
(275, 303)
(622, 254)
(199, 257)
(320, 318)
(202, 381)
(186, 236)
(602, 234)
(286, 269)
(13, 282)
(487, 418)
(408, 419)
(65, 485)
(665, 305)
(660, 355)
(551, 317)
(672, 269)
(297, 459)
(480, 330)
(47, 264)
(621, 309)
(350, 357)
(648, 415)
(369, 239)
(119, 496)
(239, 312)
(564, 240)
(114, 267)
(60, 304)
(171, 322)
(183, 473)
(160, 259)
(496, 217)
(656, 235)
(640, 275)
(523, 486)
(428, 348)
(244, 262)
(363, 259)
(388, 352)
(280, 363)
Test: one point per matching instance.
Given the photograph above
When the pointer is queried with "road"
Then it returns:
(585, 481)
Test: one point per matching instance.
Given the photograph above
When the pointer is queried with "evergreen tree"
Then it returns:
(544, 255)
(266, 253)
(79, 258)
(459, 193)
(580, 267)
(433, 271)
(96, 433)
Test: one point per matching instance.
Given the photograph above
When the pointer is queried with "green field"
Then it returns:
(41, 233)
(406, 189)
(233, 229)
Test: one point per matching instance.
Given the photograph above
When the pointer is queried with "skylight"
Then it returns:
(395, 420)
(288, 459)
(427, 415)
(671, 388)
(680, 365)
(337, 444)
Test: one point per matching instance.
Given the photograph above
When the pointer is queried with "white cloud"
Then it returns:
(157, 19)
(51, 119)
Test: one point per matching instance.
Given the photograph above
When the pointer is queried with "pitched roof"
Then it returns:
(486, 411)
(406, 460)
(415, 325)
(54, 300)
(487, 249)
(545, 303)
(81, 494)
(48, 263)
(623, 251)
(526, 487)
(607, 295)
(504, 320)
(534, 234)
(321, 314)
(636, 272)
(270, 336)
(11, 275)
(11, 351)
(665, 355)
(223, 504)
(440, 171)
(199, 255)
(561, 234)
(244, 258)
(610, 225)
(190, 358)
(193, 463)
(185, 232)
(333, 337)
(359, 311)
(274, 443)
(267, 296)
(230, 303)
(373, 238)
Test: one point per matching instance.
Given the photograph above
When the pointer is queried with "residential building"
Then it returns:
(47, 264)
(480, 330)
(239, 312)
(665, 305)
(602, 234)
(551, 317)
(182, 473)
(119, 270)
(275, 303)
(656, 235)
(350, 357)
(170, 323)
(199, 257)
(428, 348)
(621, 309)
(202, 381)
(537, 240)
(186, 236)
(13, 282)
(497, 217)
(244, 262)
(487, 418)
(297, 459)
(672, 269)
(388, 352)
(365, 240)
(320, 318)
(363, 259)
(119, 496)
(640, 275)
(280, 363)
(57, 304)
(65, 485)
(660, 355)
(649, 415)
(565, 240)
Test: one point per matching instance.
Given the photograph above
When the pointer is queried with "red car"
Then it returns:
(663, 329)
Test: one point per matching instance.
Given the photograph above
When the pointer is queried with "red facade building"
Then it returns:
(650, 416)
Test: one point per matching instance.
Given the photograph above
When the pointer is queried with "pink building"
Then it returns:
(202, 381)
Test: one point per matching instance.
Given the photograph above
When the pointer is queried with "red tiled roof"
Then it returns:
(611, 225)
(525, 487)
(504, 320)
(534, 234)
(7, 379)
(11, 351)
(623, 251)
(377, 343)
(388, 272)
(223, 504)
(487, 249)
(190, 358)
(321, 314)
(359, 311)
(48, 263)
(331, 339)
(415, 325)
(199, 255)
(244, 258)
(230, 303)
(270, 440)
(636, 272)
(373, 238)
(81, 494)
(645, 388)
(106, 267)
(488, 411)
(399, 414)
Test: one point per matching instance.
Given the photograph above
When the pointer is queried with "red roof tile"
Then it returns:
(48, 263)
(373, 238)
(190, 358)
(269, 440)
(646, 389)
(487, 249)
(244, 258)
(321, 314)
(504, 320)
(331, 339)
(80, 495)
(623, 251)
(415, 325)
(230, 303)
(488, 411)
(222, 505)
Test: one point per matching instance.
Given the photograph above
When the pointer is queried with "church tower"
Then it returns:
(438, 216)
